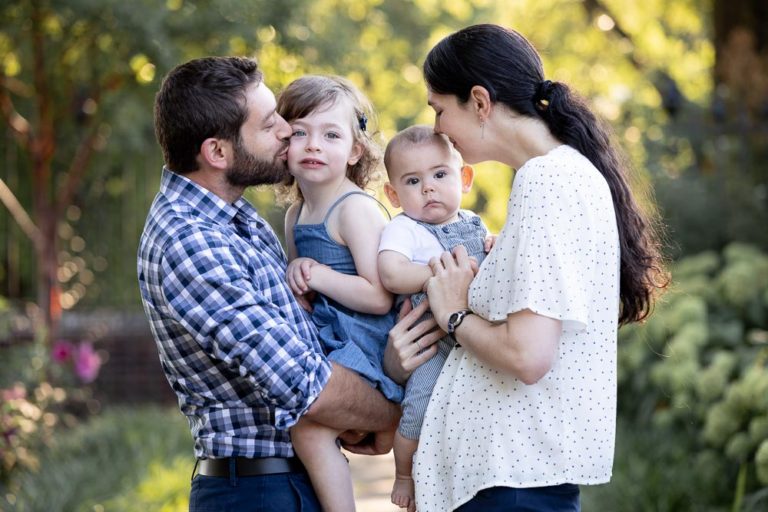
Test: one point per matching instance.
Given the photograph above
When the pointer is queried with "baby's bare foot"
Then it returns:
(403, 493)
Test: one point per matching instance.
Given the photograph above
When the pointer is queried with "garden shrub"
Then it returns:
(696, 374)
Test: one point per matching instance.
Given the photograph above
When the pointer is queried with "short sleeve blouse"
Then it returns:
(558, 256)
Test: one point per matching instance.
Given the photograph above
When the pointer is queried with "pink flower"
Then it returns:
(62, 351)
(87, 363)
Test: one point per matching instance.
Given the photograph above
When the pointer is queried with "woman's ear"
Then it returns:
(391, 194)
(481, 101)
(467, 177)
(215, 153)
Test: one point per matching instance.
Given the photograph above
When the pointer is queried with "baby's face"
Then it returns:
(427, 182)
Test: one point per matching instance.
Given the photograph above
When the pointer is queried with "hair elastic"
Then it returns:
(543, 91)
(362, 120)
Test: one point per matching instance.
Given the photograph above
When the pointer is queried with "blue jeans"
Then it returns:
(284, 492)
(555, 498)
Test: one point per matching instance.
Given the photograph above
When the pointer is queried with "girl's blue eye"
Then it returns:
(298, 133)
(333, 135)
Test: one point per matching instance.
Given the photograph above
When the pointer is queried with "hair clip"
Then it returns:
(362, 121)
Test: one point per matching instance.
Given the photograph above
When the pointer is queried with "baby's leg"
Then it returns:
(315, 444)
(418, 389)
(403, 491)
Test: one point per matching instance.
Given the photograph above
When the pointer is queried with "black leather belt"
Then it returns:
(250, 467)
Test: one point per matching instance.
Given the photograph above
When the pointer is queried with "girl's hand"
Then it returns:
(405, 343)
(298, 275)
(490, 241)
(447, 288)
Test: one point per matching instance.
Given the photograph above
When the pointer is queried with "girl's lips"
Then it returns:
(311, 162)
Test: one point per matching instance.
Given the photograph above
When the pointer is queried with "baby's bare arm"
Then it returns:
(400, 275)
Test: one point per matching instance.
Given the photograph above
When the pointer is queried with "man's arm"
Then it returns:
(349, 403)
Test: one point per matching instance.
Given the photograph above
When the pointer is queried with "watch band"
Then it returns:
(455, 320)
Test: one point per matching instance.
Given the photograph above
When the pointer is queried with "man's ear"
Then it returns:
(215, 153)
(467, 177)
(481, 101)
(391, 194)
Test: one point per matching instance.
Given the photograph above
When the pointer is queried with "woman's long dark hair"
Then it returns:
(506, 64)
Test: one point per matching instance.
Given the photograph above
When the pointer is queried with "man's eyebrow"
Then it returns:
(269, 114)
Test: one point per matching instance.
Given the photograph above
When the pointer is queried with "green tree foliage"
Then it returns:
(699, 367)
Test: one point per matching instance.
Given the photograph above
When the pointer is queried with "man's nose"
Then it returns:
(284, 129)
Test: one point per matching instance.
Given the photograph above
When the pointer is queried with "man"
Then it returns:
(234, 343)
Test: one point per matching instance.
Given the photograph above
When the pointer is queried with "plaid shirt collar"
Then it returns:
(178, 188)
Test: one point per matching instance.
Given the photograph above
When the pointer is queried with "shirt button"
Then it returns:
(445, 229)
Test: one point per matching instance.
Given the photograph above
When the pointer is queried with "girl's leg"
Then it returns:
(403, 492)
(328, 469)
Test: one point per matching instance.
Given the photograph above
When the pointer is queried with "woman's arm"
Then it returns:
(358, 224)
(400, 275)
(524, 346)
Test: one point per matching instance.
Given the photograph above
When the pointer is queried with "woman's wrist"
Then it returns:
(444, 316)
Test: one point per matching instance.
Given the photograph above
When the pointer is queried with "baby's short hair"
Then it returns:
(416, 135)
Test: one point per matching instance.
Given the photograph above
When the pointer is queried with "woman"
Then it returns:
(525, 407)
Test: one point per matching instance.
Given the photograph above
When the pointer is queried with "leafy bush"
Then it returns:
(124, 459)
(696, 375)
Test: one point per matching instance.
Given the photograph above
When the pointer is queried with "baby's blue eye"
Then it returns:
(412, 181)
(440, 174)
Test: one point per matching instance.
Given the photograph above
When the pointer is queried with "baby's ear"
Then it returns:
(467, 177)
(391, 194)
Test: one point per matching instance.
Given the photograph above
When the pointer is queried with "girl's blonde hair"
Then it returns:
(311, 93)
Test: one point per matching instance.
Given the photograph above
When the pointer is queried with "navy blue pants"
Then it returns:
(555, 498)
(285, 492)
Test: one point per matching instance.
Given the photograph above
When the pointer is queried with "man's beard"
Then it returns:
(249, 170)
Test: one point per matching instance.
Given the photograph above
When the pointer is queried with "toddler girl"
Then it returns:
(332, 232)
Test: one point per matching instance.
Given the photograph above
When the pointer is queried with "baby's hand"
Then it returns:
(298, 275)
(490, 241)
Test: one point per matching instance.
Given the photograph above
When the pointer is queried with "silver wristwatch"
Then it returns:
(455, 320)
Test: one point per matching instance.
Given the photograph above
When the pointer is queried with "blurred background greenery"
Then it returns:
(684, 84)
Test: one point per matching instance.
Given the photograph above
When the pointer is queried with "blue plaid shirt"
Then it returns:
(236, 347)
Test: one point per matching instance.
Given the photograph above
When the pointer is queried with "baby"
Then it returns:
(426, 180)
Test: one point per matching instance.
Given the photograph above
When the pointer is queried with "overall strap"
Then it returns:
(344, 196)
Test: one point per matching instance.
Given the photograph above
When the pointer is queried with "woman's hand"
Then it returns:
(448, 287)
(403, 353)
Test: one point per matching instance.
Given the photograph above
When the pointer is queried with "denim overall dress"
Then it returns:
(470, 232)
(352, 339)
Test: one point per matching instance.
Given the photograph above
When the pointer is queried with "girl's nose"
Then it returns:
(312, 144)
